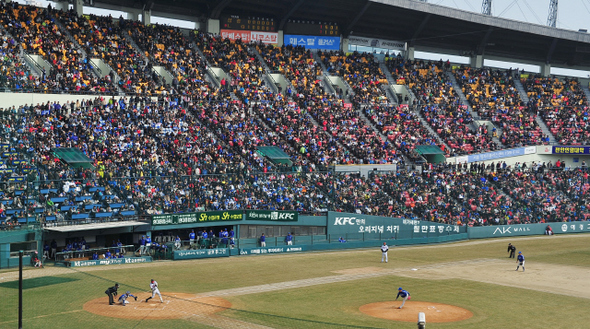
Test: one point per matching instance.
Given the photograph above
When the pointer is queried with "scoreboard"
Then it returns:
(321, 29)
(234, 22)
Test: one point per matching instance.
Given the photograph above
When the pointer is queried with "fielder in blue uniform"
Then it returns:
(403, 294)
(520, 261)
(123, 298)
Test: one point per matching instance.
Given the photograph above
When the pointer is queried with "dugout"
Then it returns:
(11, 242)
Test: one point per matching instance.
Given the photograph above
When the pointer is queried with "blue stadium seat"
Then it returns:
(96, 188)
(80, 216)
(68, 207)
(127, 213)
(116, 205)
(58, 199)
(83, 197)
(103, 214)
(91, 206)
(12, 211)
(50, 218)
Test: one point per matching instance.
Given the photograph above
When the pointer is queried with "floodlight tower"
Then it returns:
(552, 17)
(486, 7)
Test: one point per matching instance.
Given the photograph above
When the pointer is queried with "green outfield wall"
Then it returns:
(527, 229)
(200, 253)
(114, 261)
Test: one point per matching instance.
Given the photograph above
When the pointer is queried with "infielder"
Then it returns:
(384, 249)
(155, 290)
(403, 294)
(123, 298)
(520, 261)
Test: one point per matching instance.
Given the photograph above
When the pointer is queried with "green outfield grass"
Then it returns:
(55, 300)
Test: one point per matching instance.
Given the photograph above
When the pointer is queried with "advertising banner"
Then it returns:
(527, 229)
(272, 215)
(197, 217)
(498, 154)
(312, 41)
(346, 223)
(571, 150)
(247, 36)
(271, 250)
(376, 43)
(115, 261)
(200, 253)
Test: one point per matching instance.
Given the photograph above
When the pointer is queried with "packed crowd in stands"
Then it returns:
(38, 34)
(494, 96)
(194, 146)
(562, 105)
(14, 73)
(166, 46)
(103, 38)
(441, 107)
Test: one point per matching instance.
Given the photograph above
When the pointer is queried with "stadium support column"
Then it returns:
(213, 26)
(280, 38)
(79, 7)
(146, 17)
(545, 69)
(133, 15)
(410, 53)
(476, 61)
(61, 5)
(344, 44)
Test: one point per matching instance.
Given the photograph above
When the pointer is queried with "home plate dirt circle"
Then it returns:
(175, 306)
(435, 312)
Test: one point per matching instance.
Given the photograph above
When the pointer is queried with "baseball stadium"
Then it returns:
(291, 164)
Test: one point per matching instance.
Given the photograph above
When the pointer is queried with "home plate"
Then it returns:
(414, 269)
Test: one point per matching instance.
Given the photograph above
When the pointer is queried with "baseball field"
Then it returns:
(470, 284)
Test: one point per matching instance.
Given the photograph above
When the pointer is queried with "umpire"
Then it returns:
(511, 250)
(112, 291)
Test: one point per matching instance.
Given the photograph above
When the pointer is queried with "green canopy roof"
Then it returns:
(73, 157)
(429, 149)
(274, 154)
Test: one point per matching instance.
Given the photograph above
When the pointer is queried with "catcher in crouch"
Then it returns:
(123, 298)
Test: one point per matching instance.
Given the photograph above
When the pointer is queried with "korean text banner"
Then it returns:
(247, 36)
(377, 43)
(197, 217)
(571, 149)
(272, 215)
(312, 41)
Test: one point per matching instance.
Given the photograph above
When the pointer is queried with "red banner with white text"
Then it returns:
(247, 36)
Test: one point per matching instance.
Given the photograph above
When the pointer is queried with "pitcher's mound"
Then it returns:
(435, 312)
(176, 305)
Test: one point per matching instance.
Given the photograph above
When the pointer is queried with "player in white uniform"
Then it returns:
(384, 249)
(155, 290)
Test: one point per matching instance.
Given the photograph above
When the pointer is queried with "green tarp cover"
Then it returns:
(275, 154)
(429, 149)
(73, 157)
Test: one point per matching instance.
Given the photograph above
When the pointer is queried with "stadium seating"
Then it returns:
(193, 146)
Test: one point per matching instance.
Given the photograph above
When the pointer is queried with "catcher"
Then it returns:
(123, 298)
